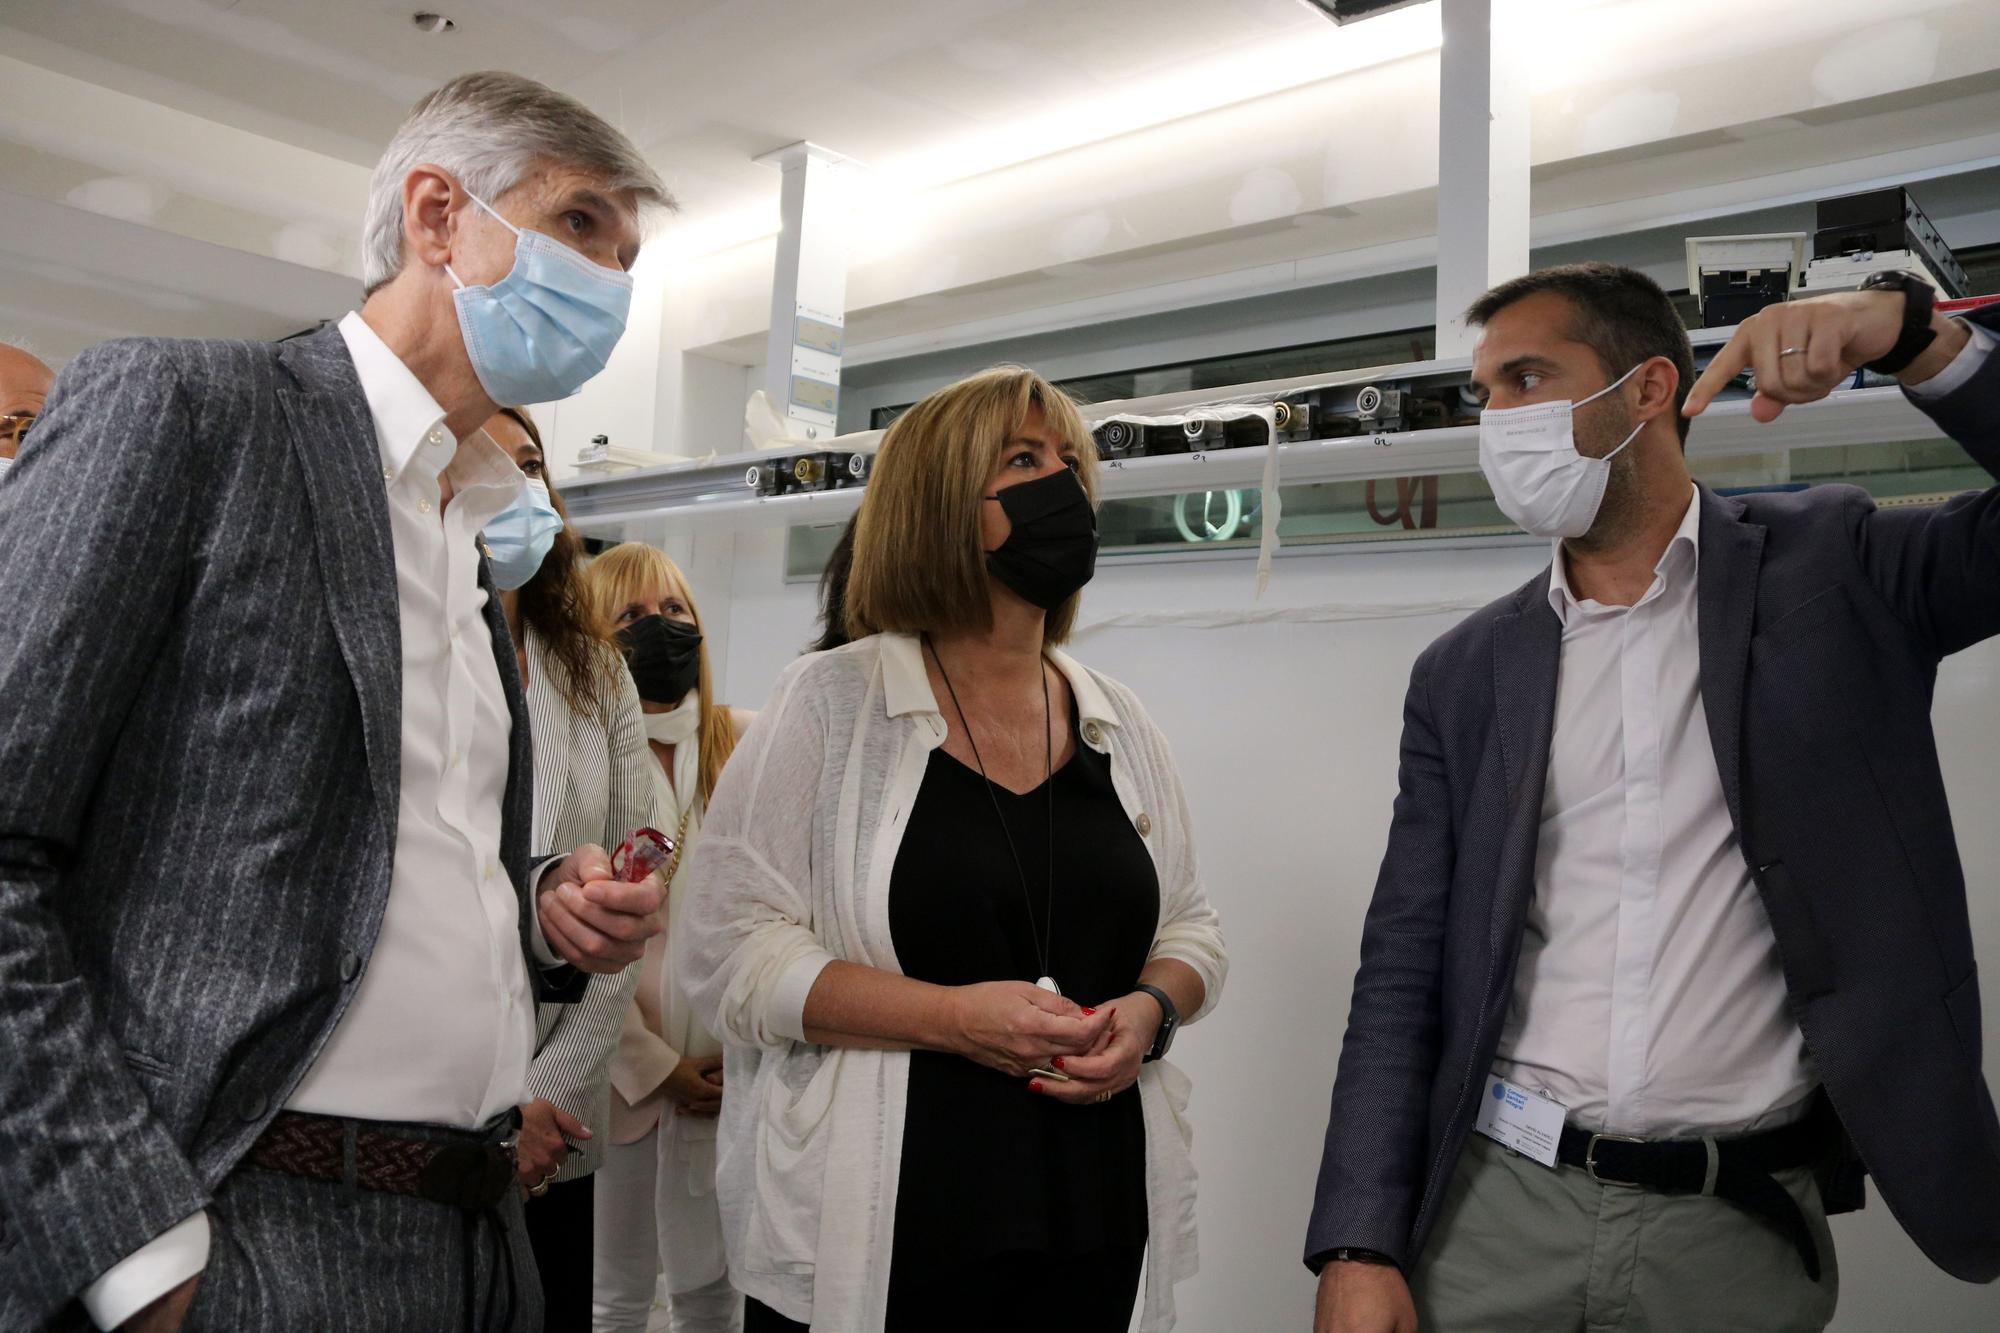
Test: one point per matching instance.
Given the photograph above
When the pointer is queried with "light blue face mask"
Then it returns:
(541, 332)
(519, 537)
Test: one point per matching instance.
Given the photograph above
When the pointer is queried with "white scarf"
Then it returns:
(681, 729)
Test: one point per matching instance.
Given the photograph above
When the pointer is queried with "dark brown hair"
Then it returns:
(833, 593)
(557, 606)
(1621, 314)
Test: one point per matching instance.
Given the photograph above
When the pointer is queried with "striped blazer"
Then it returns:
(593, 783)
(200, 736)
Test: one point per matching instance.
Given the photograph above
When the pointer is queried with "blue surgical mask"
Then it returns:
(519, 537)
(541, 332)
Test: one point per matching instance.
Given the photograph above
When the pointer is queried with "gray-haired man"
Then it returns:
(267, 959)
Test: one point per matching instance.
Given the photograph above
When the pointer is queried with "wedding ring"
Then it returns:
(1792, 351)
(1102, 1097)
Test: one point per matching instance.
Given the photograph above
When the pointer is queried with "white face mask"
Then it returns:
(1540, 480)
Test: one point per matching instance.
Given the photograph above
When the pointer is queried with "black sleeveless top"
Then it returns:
(989, 1167)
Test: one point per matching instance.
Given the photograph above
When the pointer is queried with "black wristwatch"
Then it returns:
(1918, 299)
(1170, 1022)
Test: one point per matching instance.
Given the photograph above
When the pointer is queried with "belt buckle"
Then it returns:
(1590, 1157)
(466, 1176)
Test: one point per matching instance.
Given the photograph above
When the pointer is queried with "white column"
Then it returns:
(1482, 160)
(808, 290)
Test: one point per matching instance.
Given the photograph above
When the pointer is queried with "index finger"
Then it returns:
(1726, 366)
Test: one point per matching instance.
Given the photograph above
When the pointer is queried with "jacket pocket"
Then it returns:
(791, 1150)
(1963, 1006)
(1802, 947)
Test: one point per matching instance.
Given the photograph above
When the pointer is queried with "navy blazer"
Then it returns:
(1822, 622)
(204, 681)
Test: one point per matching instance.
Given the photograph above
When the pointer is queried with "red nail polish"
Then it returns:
(1088, 1011)
(1057, 1062)
(1034, 1085)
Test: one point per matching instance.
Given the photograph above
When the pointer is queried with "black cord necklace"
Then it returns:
(1044, 940)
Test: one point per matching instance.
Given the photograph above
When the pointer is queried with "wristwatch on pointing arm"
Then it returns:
(1918, 299)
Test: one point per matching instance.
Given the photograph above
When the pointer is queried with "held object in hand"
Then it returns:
(640, 855)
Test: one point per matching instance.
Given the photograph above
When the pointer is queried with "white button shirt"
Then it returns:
(1649, 998)
(441, 1029)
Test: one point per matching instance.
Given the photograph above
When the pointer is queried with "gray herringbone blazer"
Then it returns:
(201, 676)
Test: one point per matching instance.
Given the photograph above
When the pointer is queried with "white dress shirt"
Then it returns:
(441, 1028)
(1649, 998)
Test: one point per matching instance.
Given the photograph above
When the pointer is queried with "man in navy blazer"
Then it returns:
(1670, 946)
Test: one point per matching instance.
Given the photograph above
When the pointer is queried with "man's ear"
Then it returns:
(431, 200)
(1659, 381)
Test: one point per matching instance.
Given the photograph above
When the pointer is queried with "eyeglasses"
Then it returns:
(14, 426)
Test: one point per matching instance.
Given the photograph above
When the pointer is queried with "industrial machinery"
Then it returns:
(1733, 277)
(807, 472)
(1878, 231)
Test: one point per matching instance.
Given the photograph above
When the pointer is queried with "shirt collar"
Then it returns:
(406, 416)
(906, 686)
(408, 421)
(1686, 538)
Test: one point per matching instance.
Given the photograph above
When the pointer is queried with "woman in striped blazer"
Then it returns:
(593, 784)
(657, 1209)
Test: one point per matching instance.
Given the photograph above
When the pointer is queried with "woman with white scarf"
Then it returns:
(656, 1207)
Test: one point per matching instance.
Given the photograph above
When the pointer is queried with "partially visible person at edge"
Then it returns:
(946, 916)
(592, 784)
(270, 933)
(24, 386)
(657, 1210)
(1670, 944)
(833, 592)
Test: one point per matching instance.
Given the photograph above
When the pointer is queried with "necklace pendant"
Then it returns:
(1049, 984)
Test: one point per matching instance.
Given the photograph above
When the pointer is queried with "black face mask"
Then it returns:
(1052, 551)
(665, 657)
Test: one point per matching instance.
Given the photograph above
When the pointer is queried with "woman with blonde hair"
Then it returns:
(946, 917)
(656, 1207)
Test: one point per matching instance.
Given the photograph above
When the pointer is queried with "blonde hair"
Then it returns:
(635, 572)
(918, 563)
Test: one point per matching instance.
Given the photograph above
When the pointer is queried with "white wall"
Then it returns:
(1286, 737)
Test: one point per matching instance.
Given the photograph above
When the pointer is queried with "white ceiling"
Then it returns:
(204, 162)
(703, 86)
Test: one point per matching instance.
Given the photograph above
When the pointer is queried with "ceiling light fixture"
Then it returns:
(433, 23)
(1352, 11)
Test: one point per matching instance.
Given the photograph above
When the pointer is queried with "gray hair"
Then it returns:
(490, 130)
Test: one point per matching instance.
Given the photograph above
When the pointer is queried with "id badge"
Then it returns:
(1514, 1117)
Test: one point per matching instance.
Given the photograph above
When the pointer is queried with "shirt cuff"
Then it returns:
(1959, 369)
(148, 1273)
(795, 983)
(538, 942)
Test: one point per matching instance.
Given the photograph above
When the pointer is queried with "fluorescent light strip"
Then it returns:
(1313, 53)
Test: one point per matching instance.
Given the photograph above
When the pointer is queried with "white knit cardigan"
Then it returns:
(791, 872)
